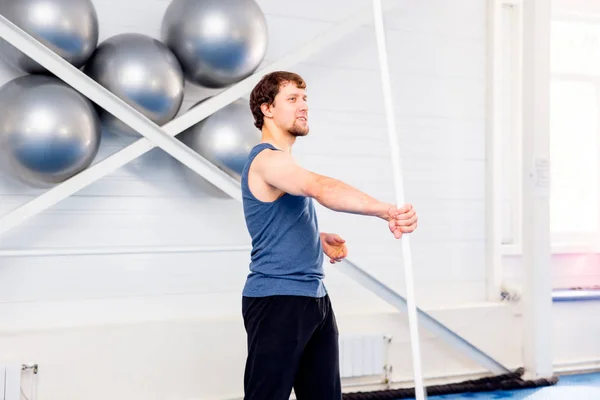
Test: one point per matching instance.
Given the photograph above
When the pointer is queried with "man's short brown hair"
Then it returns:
(266, 90)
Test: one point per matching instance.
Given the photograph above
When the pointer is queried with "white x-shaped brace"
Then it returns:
(164, 137)
(153, 135)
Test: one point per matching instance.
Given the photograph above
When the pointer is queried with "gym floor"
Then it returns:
(569, 387)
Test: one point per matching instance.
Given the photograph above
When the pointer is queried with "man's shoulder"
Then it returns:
(270, 157)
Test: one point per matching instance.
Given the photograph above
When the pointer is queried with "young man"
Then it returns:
(291, 327)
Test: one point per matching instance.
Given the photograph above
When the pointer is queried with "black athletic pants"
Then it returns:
(292, 343)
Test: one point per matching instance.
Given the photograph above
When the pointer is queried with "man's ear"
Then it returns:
(266, 110)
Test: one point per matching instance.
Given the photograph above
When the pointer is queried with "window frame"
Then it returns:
(508, 191)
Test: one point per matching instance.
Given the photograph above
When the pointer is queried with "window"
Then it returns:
(574, 157)
(574, 130)
(574, 149)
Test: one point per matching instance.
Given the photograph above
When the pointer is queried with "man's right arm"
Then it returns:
(280, 170)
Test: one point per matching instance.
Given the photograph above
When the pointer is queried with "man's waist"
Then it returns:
(288, 266)
(258, 285)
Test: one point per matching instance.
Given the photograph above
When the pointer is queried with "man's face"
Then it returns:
(290, 110)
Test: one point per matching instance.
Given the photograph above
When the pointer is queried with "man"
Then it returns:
(291, 327)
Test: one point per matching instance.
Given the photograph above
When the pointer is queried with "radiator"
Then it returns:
(10, 381)
(362, 355)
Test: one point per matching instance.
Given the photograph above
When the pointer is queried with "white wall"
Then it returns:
(150, 203)
(166, 325)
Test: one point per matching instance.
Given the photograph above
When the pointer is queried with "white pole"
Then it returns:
(537, 293)
(494, 141)
(395, 153)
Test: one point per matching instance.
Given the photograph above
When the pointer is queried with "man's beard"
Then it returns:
(298, 131)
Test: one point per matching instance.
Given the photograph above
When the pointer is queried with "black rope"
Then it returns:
(509, 381)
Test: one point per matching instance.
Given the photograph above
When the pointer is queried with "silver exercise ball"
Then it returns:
(218, 42)
(141, 71)
(48, 131)
(225, 138)
(67, 27)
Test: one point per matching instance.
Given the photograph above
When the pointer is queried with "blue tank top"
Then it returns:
(287, 256)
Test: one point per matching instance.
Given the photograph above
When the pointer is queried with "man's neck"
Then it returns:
(278, 138)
